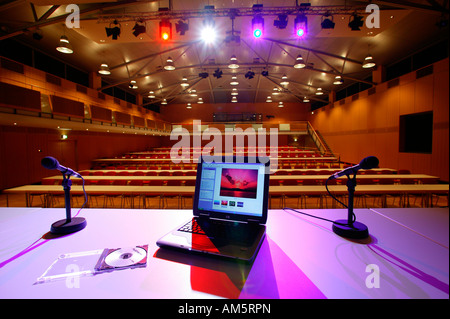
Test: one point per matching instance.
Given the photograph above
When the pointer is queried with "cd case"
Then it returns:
(94, 262)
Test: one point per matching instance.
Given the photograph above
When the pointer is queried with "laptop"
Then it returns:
(230, 209)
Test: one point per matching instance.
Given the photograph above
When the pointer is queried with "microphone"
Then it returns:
(52, 163)
(68, 225)
(366, 163)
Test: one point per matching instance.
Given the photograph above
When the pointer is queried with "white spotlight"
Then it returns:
(208, 34)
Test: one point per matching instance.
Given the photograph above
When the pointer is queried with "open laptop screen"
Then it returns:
(238, 191)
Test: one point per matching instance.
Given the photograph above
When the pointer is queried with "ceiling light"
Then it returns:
(193, 93)
(368, 62)
(305, 99)
(234, 80)
(234, 92)
(169, 64)
(151, 95)
(269, 99)
(184, 83)
(234, 99)
(327, 23)
(113, 32)
(181, 27)
(139, 28)
(164, 102)
(319, 91)
(258, 26)
(200, 100)
(356, 23)
(281, 22)
(132, 85)
(280, 104)
(104, 69)
(301, 25)
(233, 63)
(299, 63)
(275, 91)
(338, 80)
(64, 45)
(189, 106)
(284, 80)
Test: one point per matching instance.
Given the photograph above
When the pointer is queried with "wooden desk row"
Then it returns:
(194, 160)
(395, 178)
(424, 190)
(289, 171)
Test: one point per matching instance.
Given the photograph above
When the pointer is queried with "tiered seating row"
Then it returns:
(297, 179)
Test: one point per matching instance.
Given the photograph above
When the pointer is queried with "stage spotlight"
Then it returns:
(327, 23)
(265, 73)
(208, 33)
(249, 75)
(217, 73)
(301, 25)
(258, 26)
(281, 22)
(181, 27)
(139, 28)
(113, 32)
(356, 23)
(165, 30)
(37, 35)
(203, 75)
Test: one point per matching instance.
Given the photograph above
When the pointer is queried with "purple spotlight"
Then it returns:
(301, 25)
(258, 26)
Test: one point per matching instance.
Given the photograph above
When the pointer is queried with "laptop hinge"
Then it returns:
(203, 214)
(253, 221)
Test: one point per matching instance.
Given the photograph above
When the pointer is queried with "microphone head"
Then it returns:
(50, 162)
(369, 162)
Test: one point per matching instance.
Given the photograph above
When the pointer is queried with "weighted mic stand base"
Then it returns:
(64, 227)
(356, 231)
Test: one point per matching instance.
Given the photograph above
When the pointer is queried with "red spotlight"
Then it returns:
(165, 30)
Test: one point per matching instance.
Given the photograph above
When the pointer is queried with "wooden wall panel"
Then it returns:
(67, 107)
(22, 149)
(19, 97)
(101, 114)
(370, 124)
(122, 118)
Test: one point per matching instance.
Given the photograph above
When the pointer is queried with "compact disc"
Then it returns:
(124, 257)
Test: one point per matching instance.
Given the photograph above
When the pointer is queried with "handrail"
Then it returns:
(317, 140)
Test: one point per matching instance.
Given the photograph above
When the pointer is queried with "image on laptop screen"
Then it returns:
(233, 188)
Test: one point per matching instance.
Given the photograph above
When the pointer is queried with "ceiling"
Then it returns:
(405, 27)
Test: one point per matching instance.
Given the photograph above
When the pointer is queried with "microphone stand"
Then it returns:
(350, 228)
(68, 225)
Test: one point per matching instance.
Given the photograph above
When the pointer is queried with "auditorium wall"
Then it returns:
(366, 124)
(22, 148)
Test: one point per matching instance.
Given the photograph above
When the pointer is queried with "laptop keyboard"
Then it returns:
(192, 227)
